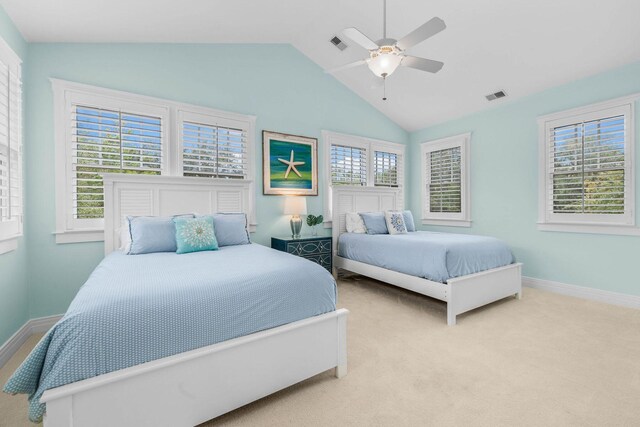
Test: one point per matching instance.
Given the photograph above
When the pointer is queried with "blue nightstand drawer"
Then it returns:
(316, 249)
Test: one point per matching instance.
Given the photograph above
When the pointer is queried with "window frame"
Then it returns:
(67, 94)
(624, 224)
(457, 219)
(11, 230)
(370, 145)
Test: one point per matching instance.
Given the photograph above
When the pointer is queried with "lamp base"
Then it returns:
(296, 226)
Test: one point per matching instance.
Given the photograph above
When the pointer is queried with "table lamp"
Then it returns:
(295, 206)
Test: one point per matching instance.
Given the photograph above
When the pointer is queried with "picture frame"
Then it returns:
(289, 164)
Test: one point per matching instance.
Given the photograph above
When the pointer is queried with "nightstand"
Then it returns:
(316, 249)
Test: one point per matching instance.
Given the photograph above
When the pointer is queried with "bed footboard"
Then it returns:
(193, 387)
(475, 290)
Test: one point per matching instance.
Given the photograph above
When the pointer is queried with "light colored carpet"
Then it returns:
(545, 360)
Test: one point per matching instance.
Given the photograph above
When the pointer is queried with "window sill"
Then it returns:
(79, 236)
(447, 222)
(618, 230)
(8, 245)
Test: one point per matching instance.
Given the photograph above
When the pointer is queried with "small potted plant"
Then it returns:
(313, 221)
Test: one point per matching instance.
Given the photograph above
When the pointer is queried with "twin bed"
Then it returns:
(176, 340)
(465, 271)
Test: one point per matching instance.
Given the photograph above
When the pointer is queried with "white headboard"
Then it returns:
(359, 199)
(167, 195)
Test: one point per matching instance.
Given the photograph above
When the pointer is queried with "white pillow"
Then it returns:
(125, 235)
(395, 222)
(355, 224)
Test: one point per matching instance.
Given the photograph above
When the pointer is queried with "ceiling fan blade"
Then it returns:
(423, 32)
(364, 41)
(347, 66)
(428, 65)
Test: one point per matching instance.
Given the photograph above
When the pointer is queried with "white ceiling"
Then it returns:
(521, 46)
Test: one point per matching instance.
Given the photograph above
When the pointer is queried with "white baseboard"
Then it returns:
(615, 298)
(33, 326)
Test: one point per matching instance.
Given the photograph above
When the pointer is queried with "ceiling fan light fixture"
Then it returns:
(384, 62)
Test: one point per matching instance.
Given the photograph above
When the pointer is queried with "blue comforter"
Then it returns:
(138, 308)
(434, 256)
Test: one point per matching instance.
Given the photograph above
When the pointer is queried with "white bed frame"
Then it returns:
(190, 388)
(461, 294)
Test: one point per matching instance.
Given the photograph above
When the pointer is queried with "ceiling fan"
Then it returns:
(386, 54)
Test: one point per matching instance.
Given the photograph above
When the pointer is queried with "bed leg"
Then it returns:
(451, 316)
(341, 367)
(519, 294)
(334, 271)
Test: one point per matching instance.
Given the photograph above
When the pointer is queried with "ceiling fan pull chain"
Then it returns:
(384, 88)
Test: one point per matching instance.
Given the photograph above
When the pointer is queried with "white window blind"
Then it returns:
(348, 165)
(214, 151)
(110, 141)
(386, 169)
(587, 164)
(444, 185)
(10, 148)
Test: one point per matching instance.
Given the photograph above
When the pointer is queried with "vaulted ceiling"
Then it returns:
(518, 46)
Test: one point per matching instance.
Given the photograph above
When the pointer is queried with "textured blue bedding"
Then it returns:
(434, 256)
(138, 308)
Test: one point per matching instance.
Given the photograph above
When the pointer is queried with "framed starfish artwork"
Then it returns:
(290, 165)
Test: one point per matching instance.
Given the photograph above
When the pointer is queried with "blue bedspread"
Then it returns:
(138, 308)
(434, 256)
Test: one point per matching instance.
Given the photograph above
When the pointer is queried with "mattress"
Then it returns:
(430, 255)
(138, 308)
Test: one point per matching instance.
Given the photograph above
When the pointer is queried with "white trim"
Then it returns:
(585, 223)
(8, 245)
(66, 94)
(370, 145)
(79, 236)
(195, 386)
(607, 297)
(32, 326)
(447, 222)
(617, 230)
(462, 219)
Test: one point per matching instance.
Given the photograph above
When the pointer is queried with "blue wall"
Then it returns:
(504, 174)
(283, 88)
(13, 265)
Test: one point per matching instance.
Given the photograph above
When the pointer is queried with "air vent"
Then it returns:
(338, 43)
(496, 95)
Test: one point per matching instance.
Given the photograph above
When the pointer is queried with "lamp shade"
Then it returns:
(384, 64)
(295, 206)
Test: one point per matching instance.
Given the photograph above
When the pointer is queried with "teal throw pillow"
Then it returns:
(195, 234)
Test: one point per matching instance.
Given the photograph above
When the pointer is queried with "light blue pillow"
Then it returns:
(195, 234)
(151, 234)
(231, 229)
(408, 221)
(375, 222)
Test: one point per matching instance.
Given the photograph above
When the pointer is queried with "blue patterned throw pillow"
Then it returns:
(195, 234)
(395, 222)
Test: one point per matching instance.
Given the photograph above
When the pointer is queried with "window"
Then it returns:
(586, 169)
(105, 131)
(110, 141)
(355, 160)
(10, 148)
(386, 169)
(445, 181)
(212, 147)
(348, 165)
